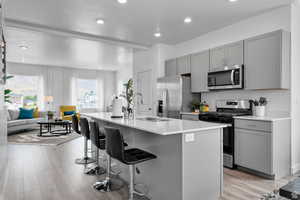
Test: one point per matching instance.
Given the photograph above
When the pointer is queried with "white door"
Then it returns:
(144, 92)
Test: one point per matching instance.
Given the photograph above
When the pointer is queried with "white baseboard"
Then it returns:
(296, 168)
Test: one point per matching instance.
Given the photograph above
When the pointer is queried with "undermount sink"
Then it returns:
(153, 119)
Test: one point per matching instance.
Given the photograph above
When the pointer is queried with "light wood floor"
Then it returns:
(48, 173)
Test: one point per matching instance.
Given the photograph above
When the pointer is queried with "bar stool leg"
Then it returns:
(85, 160)
(104, 186)
(131, 186)
(110, 183)
(96, 169)
(133, 193)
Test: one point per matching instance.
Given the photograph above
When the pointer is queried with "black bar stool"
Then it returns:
(112, 182)
(130, 157)
(97, 139)
(75, 127)
(85, 132)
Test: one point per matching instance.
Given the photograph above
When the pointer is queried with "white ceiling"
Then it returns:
(47, 49)
(134, 22)
(138, 19)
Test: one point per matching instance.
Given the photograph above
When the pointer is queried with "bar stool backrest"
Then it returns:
(114, 143)
(84, 127)
(75, 124)
(96, 135)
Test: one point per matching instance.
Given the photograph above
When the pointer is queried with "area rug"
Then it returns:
(31, 137)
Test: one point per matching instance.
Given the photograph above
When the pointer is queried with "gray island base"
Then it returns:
(189, 164)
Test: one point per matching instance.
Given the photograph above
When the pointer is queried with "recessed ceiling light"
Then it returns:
(158, 34)
(232, 1)
(99, 21)
(122, 1)
(188, 20)
(23, 47)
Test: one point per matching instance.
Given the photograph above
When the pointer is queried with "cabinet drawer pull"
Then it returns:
(252, 125)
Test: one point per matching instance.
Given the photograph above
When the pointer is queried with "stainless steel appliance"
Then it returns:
(174, 96)
(226, 110)
(227, 78)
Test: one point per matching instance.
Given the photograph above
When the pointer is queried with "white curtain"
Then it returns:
(60, 82)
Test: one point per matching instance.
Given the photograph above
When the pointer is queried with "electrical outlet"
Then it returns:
(189, 137)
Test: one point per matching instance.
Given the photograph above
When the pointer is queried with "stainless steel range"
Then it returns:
(225, 111)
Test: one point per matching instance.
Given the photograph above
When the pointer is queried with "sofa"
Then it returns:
(15, 125)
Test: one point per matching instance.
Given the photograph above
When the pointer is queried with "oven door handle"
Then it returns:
(232, 77)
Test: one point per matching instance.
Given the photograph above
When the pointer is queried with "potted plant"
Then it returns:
(50, 115)
(7, 92)
(259, 108)
(195, 105)
(128, 95)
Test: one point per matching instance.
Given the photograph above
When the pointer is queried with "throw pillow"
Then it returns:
(26, 113)
(14, 114)
(36, 113)
(69, 112)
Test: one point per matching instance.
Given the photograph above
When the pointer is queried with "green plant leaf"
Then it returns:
(7, 91)
(8, 77)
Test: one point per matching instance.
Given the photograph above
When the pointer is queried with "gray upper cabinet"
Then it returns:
(170, 67)
(217, 58)
(183, 65)
(199, 70)
(234, 54)
(267, 61)
(227, 55)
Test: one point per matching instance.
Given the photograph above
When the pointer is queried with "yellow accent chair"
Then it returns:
(64, 109)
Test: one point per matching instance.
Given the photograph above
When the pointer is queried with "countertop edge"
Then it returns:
(219, 126)
(268, 119)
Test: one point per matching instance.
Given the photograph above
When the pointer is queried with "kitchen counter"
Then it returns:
(189, 113)
(189, 154)
(166, 127)
(269, 117)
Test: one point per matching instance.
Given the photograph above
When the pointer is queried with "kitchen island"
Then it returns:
(189, 164)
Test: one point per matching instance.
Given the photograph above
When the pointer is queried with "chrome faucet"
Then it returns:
(138, 102)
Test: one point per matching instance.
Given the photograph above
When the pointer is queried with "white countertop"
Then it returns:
(268, 117)
(173, 126)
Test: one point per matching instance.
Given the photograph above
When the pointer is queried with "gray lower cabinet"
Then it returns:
(183, 65)
(190, 117)
(199, 70)
(253, 150)
(263, 147)
(170, 67)
(267, 61)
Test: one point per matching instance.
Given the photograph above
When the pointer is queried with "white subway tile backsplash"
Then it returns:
(278, 100)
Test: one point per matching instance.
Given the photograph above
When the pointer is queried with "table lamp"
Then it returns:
(49, 100)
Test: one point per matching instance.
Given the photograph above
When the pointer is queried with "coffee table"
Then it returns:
(291, 190)
(65, 124)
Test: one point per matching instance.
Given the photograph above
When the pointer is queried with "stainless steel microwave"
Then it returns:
(227, 78)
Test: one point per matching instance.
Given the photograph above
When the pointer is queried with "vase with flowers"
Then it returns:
(259, 106)
(128, 96)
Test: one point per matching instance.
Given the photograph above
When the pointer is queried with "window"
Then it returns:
(27, 91)
(86, 93)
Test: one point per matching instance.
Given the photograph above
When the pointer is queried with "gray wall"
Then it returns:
(3, 133)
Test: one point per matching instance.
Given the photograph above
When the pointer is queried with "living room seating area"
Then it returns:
(17, 123)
